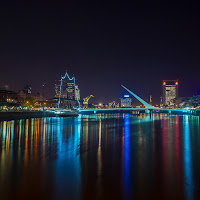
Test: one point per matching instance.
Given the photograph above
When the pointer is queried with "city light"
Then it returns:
(90, 101)
(61, 84)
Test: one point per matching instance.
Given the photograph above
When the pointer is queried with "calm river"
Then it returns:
(105, 156)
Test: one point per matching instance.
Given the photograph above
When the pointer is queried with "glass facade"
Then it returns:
(126, 102)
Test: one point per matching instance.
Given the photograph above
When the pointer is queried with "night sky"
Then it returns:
(102, 45)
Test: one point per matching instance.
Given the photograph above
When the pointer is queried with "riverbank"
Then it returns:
(13, 115)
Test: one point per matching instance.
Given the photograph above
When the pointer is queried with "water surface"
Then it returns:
(105, 156)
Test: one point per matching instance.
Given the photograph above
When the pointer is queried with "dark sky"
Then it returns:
(103, 45)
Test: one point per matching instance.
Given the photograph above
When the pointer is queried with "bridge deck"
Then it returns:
(133, 109)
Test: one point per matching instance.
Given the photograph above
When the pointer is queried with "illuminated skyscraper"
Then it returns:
(77, 93)
(67, 92)
(170, 92)
(71, 91)
(63, 87)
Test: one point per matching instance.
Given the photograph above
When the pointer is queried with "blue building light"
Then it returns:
(126, 96)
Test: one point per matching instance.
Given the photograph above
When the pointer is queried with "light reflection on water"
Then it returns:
(126, 155)
(187, 160)
(111, 156)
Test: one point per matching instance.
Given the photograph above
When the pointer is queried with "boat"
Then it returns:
(65, 112)
(61, 112)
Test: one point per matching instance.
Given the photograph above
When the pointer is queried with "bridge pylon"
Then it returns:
(147, 105)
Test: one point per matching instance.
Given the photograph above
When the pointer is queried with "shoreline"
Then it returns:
(16, 115)
(13, 115)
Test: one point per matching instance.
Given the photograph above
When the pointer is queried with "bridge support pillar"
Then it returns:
(95, 112)
(150, 112)
(147, 111)
(169, 112)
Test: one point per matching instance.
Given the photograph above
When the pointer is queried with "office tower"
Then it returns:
(170, 92)
(126, 101)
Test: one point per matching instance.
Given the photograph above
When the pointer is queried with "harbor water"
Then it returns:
(103, 156)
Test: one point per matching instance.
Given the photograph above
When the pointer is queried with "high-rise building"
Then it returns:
(26, 92)
(150, 99)
(27, 89)
(57, 89)
(126, 101)
(77, 93)
(63, 87)
(67, 92)
(161, 102)
(170, 92)
(71, 91)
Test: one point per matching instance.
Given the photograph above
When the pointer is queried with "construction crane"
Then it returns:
(85, 101)
(112, 104)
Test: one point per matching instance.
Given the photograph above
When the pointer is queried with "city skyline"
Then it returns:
(103, 47)
(99, 100)
(56, 87)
